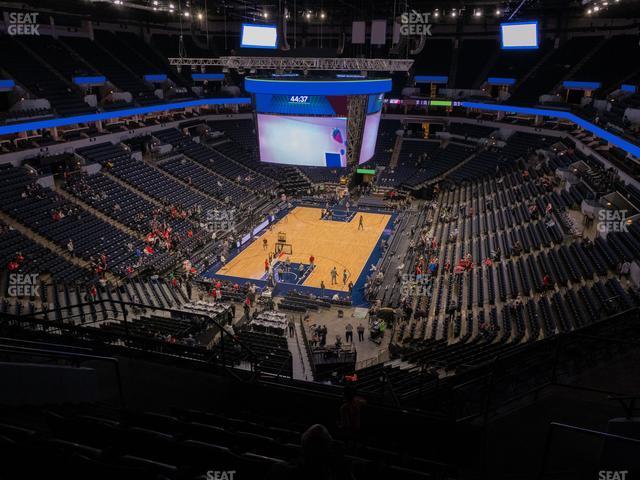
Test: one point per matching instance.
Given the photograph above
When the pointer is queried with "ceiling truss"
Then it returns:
(298, 63)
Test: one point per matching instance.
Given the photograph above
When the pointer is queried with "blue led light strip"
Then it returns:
(501, 81)
(96, 80)
(156, 77)
(600, 132)
(207, 76)
(581, 85)
(317, 87)
(431, 79)
(94, 117)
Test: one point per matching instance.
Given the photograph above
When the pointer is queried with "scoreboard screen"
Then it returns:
(519, 35)
(303, 140)
(311, 130)
(306, 130)
(259, 36)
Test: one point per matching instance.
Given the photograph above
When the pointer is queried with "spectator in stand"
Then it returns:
(319, 459)
(247, 307)
(351, 413)
(625, 269)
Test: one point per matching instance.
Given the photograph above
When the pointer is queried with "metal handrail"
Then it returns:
(295, 331)
(26, 351)
(252, 355)
(553, 426)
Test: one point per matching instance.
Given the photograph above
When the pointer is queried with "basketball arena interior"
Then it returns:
(324, 240)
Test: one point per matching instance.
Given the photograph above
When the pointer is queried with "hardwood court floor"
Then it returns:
(338, 244)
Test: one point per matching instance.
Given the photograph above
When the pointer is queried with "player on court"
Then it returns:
(265, 244)
(361, 223)
(334, 276)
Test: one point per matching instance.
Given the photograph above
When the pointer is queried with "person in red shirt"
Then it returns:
(266, 265)
(312, 259)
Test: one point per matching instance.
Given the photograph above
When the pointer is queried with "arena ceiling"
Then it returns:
(325, 11)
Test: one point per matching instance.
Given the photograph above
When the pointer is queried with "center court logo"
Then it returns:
(21, 23)
(23, 285)
(415, 23)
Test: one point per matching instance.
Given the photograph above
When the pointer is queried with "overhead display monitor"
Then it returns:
(369, 137)
(371, 125)
(305, 141)
(259, 36)
(519, 35)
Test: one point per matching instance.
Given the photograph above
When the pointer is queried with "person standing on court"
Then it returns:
(360, 332)
(334, 276)
(348, 329)
(360, 223)
(322, 288)
(291, 327)
(311, 260)
(265, 244)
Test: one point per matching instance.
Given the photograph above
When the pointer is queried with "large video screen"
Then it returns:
(306, 141)
(519, 35)
(259, 36)
(369, 137)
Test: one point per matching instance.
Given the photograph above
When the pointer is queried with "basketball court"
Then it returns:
(333, 242)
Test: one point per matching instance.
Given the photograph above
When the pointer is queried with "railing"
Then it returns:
(554, 427)
(128, 340)
(369, 362)
(295, 331)
(539, 363)
(73, 356)
(628, 403)
(307, 348)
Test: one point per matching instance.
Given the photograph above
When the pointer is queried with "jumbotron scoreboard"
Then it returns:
(305, 121)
